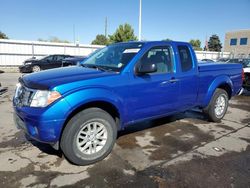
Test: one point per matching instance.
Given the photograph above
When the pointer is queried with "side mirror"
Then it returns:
(146, 68)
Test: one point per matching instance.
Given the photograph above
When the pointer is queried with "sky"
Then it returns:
(179, 20)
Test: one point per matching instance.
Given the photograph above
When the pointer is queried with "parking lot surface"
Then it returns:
(184, 150)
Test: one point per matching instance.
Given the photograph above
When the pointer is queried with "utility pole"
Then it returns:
(106, 27)
(74, 34)
(139, 21)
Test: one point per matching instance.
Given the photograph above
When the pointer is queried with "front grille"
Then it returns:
(23, 96)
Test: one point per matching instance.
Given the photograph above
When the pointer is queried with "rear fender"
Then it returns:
(219, 81)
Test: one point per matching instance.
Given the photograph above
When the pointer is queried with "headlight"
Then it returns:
(28, 63)
(44, 98)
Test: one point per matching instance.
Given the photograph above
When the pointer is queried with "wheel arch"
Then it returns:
(102, 104)
(105, 105)
(222, 82)
(227, 88)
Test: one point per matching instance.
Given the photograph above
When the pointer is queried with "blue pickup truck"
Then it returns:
(80, 109)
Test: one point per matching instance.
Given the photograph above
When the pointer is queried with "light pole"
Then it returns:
(139, 21)
(106, 27)
(74, 34)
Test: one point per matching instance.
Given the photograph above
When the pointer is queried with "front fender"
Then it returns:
(217, 82)
(87, 95)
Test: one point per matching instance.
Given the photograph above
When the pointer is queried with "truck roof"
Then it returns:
(155, 42)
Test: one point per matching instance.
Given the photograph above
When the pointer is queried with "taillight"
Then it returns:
(242, 75)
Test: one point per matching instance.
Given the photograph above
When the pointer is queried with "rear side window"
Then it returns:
(185, 57)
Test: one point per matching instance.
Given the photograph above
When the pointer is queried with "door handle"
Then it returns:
(164, 83)
(173, 80)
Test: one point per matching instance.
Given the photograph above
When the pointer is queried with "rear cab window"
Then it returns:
(185, 58)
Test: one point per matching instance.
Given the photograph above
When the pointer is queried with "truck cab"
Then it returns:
(162, 88)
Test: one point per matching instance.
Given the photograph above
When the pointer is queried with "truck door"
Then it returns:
(188, 77)
(156, 93)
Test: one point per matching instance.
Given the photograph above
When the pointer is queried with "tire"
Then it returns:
(218, 105)
(36, 68)
(79, 135)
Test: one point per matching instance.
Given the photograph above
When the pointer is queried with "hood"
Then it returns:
(48, 79)
(30, 61)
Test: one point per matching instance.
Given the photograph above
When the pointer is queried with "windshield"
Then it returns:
(48, 57)
(114, 57)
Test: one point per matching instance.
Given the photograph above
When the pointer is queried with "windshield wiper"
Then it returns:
(101, 68)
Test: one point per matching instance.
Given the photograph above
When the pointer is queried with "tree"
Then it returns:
(42, 40)
(3, 36)
(124, 33)
(100, 40)
(167, 39)
(214, 43)
(196, 43)
(53, 39)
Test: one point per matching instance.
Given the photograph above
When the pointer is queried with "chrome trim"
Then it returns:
(241, 91)
(23, 95)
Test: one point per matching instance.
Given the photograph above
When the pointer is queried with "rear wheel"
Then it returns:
(218, 105)
(89, 136)
(36, 68)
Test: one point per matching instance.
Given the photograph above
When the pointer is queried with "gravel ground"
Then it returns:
(184, 150)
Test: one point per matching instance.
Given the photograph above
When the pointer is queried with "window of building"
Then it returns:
(243, 41)
(185, 57)
(233, 42)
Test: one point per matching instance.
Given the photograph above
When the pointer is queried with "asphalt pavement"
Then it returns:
(184, 150)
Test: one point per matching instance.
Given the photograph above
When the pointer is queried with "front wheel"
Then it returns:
(36, 68)
(89, 136)
(218, 105)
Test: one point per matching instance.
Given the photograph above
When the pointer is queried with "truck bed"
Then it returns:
(210, 73)
(204, 67)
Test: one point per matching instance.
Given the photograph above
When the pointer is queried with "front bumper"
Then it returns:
(42, 124)
(25, 68)
(42, 131)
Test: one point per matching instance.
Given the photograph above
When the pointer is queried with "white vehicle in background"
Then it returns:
(246, 67)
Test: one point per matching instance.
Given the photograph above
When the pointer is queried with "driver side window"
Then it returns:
(49, 58)
(161, 57)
